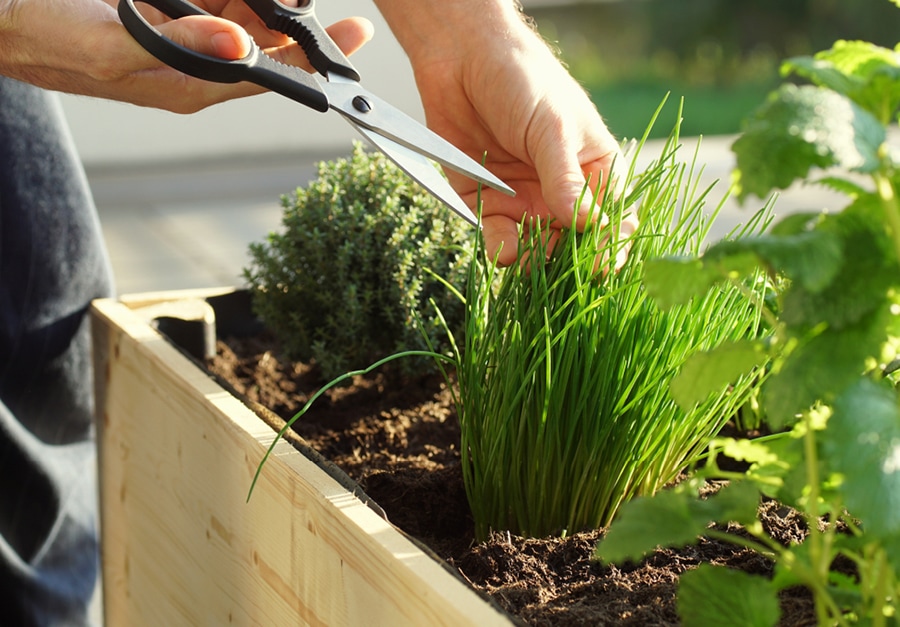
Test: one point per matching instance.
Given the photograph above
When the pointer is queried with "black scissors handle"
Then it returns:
(257, 67)
(302, 25)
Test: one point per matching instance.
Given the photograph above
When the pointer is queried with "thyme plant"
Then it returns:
(564, 373)
(353, 275)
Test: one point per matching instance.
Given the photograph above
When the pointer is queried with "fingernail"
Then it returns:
(587, 207)
(622, 257)
(229, 46)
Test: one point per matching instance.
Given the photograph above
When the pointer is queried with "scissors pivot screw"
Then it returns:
(362, 104)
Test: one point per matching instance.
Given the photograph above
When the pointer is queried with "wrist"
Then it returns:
(430, 29)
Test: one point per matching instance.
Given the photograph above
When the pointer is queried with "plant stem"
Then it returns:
(891, 207)
(819, 556)
(880, 574)
(760, 544)
(335, 381)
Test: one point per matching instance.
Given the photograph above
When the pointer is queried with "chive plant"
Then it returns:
(564, 372)
(565, 368)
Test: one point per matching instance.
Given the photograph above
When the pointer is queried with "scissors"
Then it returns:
(336, 87)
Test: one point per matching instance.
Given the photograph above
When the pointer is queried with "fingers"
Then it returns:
(208, 35)
(349, 34)
(138, 77)
(621, 247)
(222, 38)
(627, 228)
(501, 239)
(562, 180)
(564, 170)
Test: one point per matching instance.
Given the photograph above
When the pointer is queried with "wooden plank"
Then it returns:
(182, 546)
(145, 299)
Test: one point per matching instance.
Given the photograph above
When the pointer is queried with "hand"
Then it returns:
(489, 84)
(82, 48)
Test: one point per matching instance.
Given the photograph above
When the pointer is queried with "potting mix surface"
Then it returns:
(400, 442)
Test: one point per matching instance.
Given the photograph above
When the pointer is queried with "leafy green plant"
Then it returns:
(832, 352)
(354, 273)
(564, 363)
(563, 376)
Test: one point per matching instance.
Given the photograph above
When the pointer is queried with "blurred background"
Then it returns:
(722, 56)
(181, 197)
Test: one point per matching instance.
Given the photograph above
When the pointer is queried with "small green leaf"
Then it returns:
(823, 367)
(708, 372)
(778, 472)
(746, 450)
(675, 280)
(796, 223)
(844, 589)
(736, 502)
(637, 531)
(864, 276)
(711, 596)
(860, 70)
(841, 185)
(810, 258)
(862, 442)
(672, 281)
(799, 128)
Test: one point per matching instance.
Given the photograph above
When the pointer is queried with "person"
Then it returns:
(488, 83)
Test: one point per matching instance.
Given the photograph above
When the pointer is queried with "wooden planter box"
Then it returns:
(180, 543)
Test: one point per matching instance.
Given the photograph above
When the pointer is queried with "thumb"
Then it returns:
(210, 35)
(563, 184)
(563, 180)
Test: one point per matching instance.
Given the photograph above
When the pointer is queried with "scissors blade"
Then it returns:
(366, 110)
(422, 170)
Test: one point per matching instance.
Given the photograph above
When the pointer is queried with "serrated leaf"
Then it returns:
(746, 450)
(821, 73)
(841, 185)
(799, 128)
(711, 596)
(862, 442)
(675, 281)
(736, 502)
(810, 258)
(860, 70)
(768, 466)
(796, 223)
(822, 368)
(637, 530)
(708, 372)
(862, 279)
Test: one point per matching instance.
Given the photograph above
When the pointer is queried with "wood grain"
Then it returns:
(182, 545)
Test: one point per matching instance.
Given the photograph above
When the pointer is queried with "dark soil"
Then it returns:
(400, 443)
